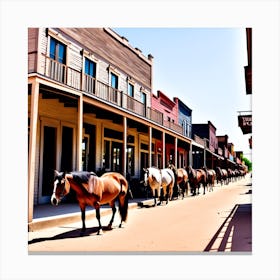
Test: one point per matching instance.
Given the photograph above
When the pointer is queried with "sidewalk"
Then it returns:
(47, 215)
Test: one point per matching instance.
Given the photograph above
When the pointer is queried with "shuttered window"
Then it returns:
(57, 51)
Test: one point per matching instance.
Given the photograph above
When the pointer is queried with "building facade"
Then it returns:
(89, 108)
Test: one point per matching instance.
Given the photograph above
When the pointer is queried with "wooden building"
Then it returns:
(89, 108)
(210, 156)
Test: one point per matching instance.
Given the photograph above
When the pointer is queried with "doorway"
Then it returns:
(49, 161)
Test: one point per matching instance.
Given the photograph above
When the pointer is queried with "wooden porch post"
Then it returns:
(175, 152)
(124, 145)
(190, 156)
(163, 149)
(150, 146)
(80, 134)
(32, 146)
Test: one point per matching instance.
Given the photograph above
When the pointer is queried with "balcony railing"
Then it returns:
(80, 81)
(174, 126)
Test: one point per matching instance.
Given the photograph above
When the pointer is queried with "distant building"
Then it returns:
(184, 117)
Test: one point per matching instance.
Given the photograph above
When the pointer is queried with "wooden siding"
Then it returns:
(43, 47)
(166, 106)
(98, 41)
(74, 62)
(32, 49)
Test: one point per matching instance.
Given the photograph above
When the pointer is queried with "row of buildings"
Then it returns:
(91, 107)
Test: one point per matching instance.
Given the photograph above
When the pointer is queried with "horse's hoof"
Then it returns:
(100, 232)
(82, 232)
(109, 227)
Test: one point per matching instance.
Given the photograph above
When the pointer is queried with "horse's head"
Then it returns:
(146, 176)
(59, 189)
(191, 172)
(173, 168)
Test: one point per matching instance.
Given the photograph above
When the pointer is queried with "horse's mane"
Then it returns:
(82, 177)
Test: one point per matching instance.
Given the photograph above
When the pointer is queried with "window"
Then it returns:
(90, 74)
(144, 101)
(57, 51)
(130, 100)
(57, 69)
(130, 160)
(113, 96)
(90, 67)
(131, 90)
(114, 81)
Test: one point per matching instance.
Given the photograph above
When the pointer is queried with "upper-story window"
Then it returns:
(131, 90)
(114, 88)
(57, 51)
(57, 69)
(90, 68)
(89, 78)
(114, 81)
(144, 101)
(130, 100)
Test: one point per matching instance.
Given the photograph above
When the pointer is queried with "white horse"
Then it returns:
(160, 178)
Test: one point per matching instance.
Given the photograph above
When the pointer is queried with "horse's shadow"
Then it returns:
(76, 233)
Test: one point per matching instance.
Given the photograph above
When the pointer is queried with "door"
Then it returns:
(49, 161)
(116, 157)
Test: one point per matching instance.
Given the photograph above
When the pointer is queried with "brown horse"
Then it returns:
(93, 191)
(181, 180)
(196, 177)
(211, 177)
(222, 176)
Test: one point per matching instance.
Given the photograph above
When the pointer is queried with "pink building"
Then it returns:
(169, 108)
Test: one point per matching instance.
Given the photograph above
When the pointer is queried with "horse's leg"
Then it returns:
(83, 217)
(165, 194)
(112, 204)
(182, 189)
(170, 192)
(97, 209)
(159, 195)
(198, 187)
(154, 196)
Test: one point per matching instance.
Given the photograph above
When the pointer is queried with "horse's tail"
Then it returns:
(123, 199)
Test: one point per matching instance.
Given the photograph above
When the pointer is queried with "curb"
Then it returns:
(48, 222)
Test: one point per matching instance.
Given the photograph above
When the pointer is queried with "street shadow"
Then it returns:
(235, 234)
(76, 233)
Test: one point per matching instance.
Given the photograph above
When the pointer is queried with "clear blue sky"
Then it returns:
(204, 67)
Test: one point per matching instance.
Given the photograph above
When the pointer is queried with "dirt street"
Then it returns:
(217, 221)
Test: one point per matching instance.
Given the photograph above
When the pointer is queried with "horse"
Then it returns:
(222, 175)
(196, 177)
(211, 177)
(231, 175)
(94, 191)
(159, 178)
(181, 180)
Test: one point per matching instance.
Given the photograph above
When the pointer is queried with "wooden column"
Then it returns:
(190, 156)
(175, 152)
(80, 134)
(124, 145)
(163, 150)
(204, 153)
(32, 146)
(150, 146)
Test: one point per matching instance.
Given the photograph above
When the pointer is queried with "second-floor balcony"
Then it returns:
(83, 82)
